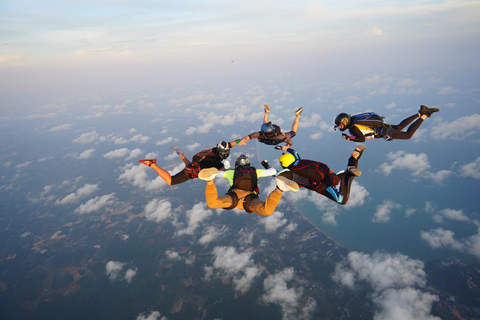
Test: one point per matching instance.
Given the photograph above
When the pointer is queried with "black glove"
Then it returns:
(345, 136)
(265, 164)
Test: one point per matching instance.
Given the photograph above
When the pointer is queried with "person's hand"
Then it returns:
(242, 142)
(267, 109)
(285, 148)
(345, 136)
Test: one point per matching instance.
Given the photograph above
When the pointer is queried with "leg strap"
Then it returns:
(234, 200)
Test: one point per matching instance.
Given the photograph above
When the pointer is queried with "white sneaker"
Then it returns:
(208, 174)
(285, 184)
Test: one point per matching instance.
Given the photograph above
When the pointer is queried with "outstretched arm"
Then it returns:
(253, 135)
(355, 135)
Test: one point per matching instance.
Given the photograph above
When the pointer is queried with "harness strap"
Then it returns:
(234, 200)
(248, 199)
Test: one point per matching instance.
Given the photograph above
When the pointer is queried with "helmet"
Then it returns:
(286, 159)
(223, 149)
(342, 118)
(242, 160)
(268, 129)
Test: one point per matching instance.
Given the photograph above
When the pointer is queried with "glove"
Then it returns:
(265, 164)
(345, 136)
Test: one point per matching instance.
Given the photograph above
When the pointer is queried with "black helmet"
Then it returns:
(342, 118)
(223, 149)
(242, 160)
(268, 129)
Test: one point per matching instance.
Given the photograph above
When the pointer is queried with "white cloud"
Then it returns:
(154, 315)
(439, 238)
(273, 222)
(454, 214)
(277, 290)
(172, 255)
(23, 165)
(240, 266)
(195, 217)
(61, 127)
(404, 304)
(113, 269)
(137, 176)
(211, 233)
(193, 146)
(376, 31)
(396, 282)
(86, 154)
(130, 274)
(88, 137)
(140, 138)
(384, 210)
(459, 129)
(82, 192)
(123, 153)
(390, 106)
(401, 160)
(316, 136)
(158, 210)
(407, 83)
(164, 141)
(418, 165)
(96, 204)
(448, 90)
(312, 120)
(471, 170)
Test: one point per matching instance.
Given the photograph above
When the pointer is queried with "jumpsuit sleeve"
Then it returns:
(266, 173)
(356, 134)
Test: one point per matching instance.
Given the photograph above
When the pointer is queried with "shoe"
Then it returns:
(357, 153)
(208, 174)
(177, 150)
(356, 172)
(266, 108)
(424, 110)
(150, 162)
(285, 184)
(299, 111)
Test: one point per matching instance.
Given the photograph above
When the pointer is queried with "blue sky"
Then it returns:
(99, 84)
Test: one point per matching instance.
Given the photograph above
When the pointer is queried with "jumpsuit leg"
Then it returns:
(266, 208)
(405, 122)
(213, 201)
(402, 135)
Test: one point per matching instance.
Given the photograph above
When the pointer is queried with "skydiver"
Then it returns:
(318, 177)
(271, 134)
(204, 159)
(370, 125)
(243, 192)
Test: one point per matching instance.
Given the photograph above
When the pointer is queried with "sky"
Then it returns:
(100, 84)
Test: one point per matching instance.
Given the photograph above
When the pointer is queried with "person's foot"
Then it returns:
(285, 184)
(357, 153)
(266, 108)
(148, 162)
(299, 111)
(208, 174)
(424, 110)
(177, 150)
(356, 172)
